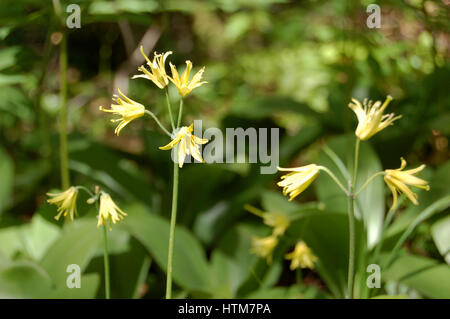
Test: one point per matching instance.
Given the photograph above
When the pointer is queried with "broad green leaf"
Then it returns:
(89, 285)
(226, 275)
(441, 236)
(24, 279)
(128, 268)
(190, 268)
(370, 202)
(327, 235)
(76, 245)
(427, 276)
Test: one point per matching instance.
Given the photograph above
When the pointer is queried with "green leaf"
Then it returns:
(441, 236)
(128, 268)
(7, 174)
(370, 202)
(226, 275)
(190, 267)
(89, 285)
(24, 279)
(327, 235)
(76, 245)
(8, 57)
(425, 275)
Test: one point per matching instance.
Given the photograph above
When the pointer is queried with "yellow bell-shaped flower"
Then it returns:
(301, 257)
(128, 109)
(66, 202)
(398, 179)
(370, 116)
(186, 143)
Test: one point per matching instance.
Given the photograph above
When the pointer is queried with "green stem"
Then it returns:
(368, 182)
(180, 112)
(336, 180)
(63, 156)
(355, 166)
(351, 249)
(158, 122)
(173, 219)
(106, 262)
(172, 123)
(351, 225)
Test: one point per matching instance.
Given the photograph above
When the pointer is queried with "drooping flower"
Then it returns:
(301, 257)
(185, 143)
(370, 116)
(109, 211)
(157, 73)
(278, 221)
(264, 246)
(182, 83)
(298, 179)
(66, 202)
(398, 179)
(128, 109)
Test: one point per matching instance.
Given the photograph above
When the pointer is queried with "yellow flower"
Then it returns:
(186, 143)
(397, 180)
(182, 83)
(126, 108)
(66, 202)
(298, 179)
(264, 246)
(109, 211)
(301, 256)
(370, 117)
(157, 73)
(277, 220)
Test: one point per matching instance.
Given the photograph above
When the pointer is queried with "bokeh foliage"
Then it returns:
(269, 63)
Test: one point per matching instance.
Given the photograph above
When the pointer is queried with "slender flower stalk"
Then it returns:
(180, 113)
(106, 263)
(367, 182)
(108, 212)
(351, 224)
(172, 122)
(173, 220)
(158, 122)
(63, 153)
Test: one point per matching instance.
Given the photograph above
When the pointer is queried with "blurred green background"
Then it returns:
(269, 63)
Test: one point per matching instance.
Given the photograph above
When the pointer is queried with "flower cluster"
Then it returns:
(66, 202)
(371, 120)
(279, 222)
(156, 72)
(301, 256)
